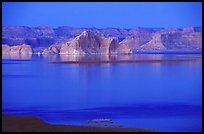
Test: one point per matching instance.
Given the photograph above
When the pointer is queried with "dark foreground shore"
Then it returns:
(121, 61)
(12, 123)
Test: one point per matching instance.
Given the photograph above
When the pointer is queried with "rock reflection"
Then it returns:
(65, 57)
(148, 57)
(97, 57)
(120, 57)
(17, 56)
(106, 59)
(52, 57)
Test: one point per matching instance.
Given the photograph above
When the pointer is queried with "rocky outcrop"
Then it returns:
(19, 49)
(169, 39)
(155, 43)
(182, 40)
(50, 50)
(123, 49)
(5, 49)
(15, 49)
(135, 38)
(26, 49)
(91, 43)
(188, 29)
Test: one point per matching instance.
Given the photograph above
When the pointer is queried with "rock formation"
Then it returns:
(182, 40)
(169, 39)
(18, 49)
(26, 49)
(89, 43)
(155, 43)
(5, 49)
(138, 38)
(50, 50)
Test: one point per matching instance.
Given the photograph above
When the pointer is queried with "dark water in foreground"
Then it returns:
(164, 96)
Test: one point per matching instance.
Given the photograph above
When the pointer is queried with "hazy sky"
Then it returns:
(102, 14)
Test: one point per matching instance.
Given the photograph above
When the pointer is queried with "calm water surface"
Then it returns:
(165, 96)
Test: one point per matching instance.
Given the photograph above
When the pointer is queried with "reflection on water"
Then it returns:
(17, 56)
(52, 57)
(99, 57)
(58, 92)
(104, 57)
(84, 57)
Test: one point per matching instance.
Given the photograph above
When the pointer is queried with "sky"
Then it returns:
(102, 14)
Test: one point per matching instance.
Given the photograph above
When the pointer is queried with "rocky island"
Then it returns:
(88, 42)
(69, 40)
(18, 49)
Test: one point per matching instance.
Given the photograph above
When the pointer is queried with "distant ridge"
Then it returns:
(137, 38)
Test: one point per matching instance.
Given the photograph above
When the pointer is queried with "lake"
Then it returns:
(164, 96)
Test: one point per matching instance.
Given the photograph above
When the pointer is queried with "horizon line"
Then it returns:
(103, 27)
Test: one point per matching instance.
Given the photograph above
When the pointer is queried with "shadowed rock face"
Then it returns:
(155, 43)
(19, 49)
(182, 40)
(89, 42)
(26, 49)
(51, 50)
(137, 40)
(5, 49)
(166, 39)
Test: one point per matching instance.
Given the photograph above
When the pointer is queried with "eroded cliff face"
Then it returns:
(18, 49)
(154, 44)
(89, 43)
(182, 40)
(166, 39)
(137, 40)
(178, 39)
(5, 49)
(50, 50)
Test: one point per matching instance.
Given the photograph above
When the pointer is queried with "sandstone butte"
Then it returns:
(90, 43)
(19, 49)
(86, 43)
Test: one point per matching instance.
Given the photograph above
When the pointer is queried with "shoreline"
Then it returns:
(14, 123)
(121, 61)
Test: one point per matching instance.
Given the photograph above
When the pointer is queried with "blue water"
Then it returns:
(165, 96)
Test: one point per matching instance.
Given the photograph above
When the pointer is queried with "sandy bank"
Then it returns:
(12, 123)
